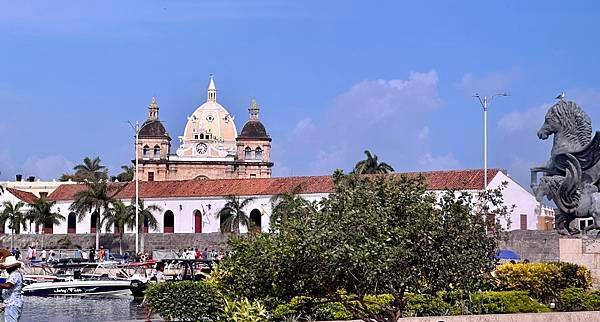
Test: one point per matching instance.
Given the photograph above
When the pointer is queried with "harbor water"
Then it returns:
(71, 309)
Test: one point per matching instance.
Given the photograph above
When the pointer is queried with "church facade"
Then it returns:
(210, 147)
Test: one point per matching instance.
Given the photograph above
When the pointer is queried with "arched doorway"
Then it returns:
(169, 222)
(93, 220)
(255, 219)
(197, 221)
(48, 228)
(72, 223)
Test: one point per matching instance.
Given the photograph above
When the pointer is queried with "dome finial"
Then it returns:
(212, 90)
(153, 109)
(254, 109)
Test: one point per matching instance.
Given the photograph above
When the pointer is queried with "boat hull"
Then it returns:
(79, 288)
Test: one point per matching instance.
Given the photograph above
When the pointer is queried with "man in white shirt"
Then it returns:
(44, 254)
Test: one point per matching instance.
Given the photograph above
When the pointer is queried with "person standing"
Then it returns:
(29, 252)
(44, 255)
(78, 253)
(11, 290)
(17, 254)
(101, 254)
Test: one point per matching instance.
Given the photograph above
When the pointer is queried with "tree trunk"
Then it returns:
(98, 229)
(43, 236)
(12, 239)
(121, 244)
(142, 239)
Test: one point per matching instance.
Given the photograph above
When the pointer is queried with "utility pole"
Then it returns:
(484, 103)
(136, 128)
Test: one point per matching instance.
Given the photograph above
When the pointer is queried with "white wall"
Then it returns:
(515, 194)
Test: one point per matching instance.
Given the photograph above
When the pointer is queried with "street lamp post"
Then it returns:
(484, 104)
(136, 128)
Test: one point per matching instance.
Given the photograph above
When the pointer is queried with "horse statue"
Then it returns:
(574, 165)
(572, 200)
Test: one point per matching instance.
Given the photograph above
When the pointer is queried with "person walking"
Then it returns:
(11, 290)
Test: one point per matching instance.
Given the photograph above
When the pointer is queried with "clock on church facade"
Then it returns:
(210, 147)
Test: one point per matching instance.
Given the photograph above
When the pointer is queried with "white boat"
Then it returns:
(99, 279)
(109, 287)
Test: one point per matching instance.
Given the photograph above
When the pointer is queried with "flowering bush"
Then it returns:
(544, 281)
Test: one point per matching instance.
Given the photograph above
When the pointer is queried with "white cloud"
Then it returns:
(47, 167)
(491, 83)
(424, 133)
(387, 117)
(518, 121)
(430, 162)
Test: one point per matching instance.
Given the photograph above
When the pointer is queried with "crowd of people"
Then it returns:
(191, 253)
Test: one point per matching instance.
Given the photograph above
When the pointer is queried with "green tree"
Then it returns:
(117, 217)
(146, 215)
(371, 165)
(41, 213)
(14, 215)
(127, 174)
(91, 169)
(289, 204)
(88, 170)
(374, 235)
(95, 199)
(232, 216)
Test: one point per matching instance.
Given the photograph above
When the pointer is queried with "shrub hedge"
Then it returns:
(490, 302)
(186, 301)
(578, 299)
(544, 281)
(505, 302)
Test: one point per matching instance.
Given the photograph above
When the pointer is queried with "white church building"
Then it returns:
(191, 206)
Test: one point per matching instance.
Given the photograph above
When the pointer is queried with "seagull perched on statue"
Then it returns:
(560, 96)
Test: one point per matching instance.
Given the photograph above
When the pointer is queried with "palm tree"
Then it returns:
(233, 215)
(90, 170)
(371, 166)
(289, 205)
(15, 217)
(146, 215)
(41, 213)
(127, 174)
(96, 199)
(117, 217)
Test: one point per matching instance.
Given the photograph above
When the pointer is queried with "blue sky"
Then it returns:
(332, 77)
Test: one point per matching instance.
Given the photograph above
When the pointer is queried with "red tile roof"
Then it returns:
(25, 196)
(436, 180)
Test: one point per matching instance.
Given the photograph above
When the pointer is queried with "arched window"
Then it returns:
(255, 220)
(201, 136)
(247, 153)
(197, 221)
(258, 153)
(93, 220)
(156, 150)
(146, 150)
(72, 223)
(169, 222)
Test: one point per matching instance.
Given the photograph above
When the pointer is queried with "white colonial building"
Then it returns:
(190, 206)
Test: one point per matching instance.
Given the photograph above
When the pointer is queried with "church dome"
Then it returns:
(152, 128)
(210, 131)
(254, 129)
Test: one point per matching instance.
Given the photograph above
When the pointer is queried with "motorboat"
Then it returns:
(86, 279)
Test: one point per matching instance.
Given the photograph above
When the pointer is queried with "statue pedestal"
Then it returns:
(583, 251)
